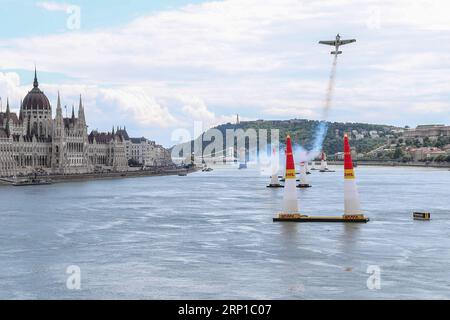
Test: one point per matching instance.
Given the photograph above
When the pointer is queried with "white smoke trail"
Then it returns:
(322, 128)
(330, 88)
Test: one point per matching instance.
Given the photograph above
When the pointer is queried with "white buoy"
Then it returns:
(307, 167)
(323, 162)
(290, 201)
(274, 179)
(351, 196)
(303, 180)
(274, 183)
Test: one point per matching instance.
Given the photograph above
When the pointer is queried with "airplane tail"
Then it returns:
(334, 52)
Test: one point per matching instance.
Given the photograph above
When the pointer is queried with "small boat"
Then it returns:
(31, 182)
(182, 174)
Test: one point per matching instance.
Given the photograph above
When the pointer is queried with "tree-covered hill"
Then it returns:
(365, 137)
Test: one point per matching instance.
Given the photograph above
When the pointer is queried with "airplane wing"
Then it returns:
(347, 41)
(330, 43)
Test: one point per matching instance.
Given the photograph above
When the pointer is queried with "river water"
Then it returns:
(211, 236)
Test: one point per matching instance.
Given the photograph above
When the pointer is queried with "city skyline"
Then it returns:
(161, 66)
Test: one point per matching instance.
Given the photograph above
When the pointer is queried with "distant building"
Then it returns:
(337, 133)
(145, 152)
(357, 135)
(446, 148)
(424, 153)
(398, 130)
(340, 155)
(107, 151)
(432, 131)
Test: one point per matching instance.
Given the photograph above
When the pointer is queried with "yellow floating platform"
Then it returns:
(285, 217)
(421, 216)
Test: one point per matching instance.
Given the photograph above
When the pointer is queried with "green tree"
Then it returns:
(417, 143)
(407, 158)
(398, 153)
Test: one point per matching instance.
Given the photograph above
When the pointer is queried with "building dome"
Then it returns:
(36, 99)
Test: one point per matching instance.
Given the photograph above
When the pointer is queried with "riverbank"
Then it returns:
(395, 164)
(57, 178)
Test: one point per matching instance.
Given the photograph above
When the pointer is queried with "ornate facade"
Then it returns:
(35, 142)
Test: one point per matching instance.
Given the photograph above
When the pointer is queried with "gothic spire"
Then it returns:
(7, 117)
(20, 112)
(59, 114)
(81, 117)
(35, 82)
(58, 104)
(73, 112)
(7, 107)
(81, 104)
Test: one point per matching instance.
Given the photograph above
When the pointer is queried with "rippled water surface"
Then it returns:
(211, 236)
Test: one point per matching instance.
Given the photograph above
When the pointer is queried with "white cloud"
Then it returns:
(53, 6)
(196, 109)
(10, 88)
(256, 58)
(431, 107)
(142, 107)
(420, 14)
(300, 111)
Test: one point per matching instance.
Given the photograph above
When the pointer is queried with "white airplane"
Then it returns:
(338, 42)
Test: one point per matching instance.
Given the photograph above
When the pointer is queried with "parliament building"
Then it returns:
(34, 142)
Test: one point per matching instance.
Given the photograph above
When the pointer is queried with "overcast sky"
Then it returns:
(155, 66)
